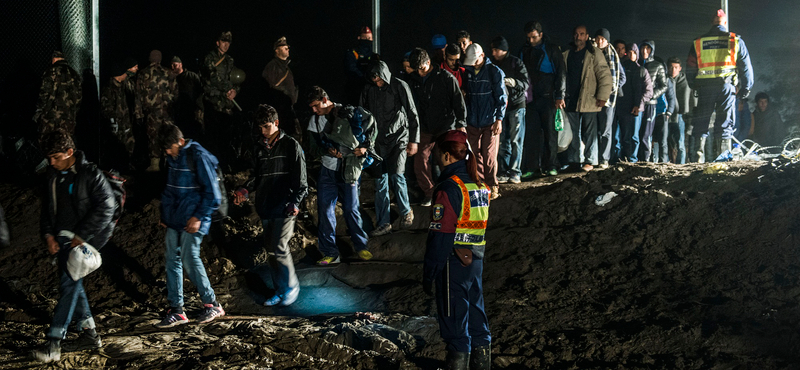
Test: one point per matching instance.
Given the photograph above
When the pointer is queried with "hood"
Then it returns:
(651, 44)
(382, 70)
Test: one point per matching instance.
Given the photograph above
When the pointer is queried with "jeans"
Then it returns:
(485, 144)
(677, 139)
(330, 187)
(646, 131)
(511, 140)
(584, 130)
(397, 182)
(183, 252)
(660, 138)
(629, 126)
(71, 303)
(605, 124)
(277, 233)
(462, 318)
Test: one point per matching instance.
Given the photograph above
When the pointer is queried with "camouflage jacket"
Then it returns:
(121, 103)
(157, 90)
(217, 80)
(60, 95)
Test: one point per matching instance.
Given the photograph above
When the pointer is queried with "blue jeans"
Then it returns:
(660, 139)
(511, 140)
(629, 126)
(605, 125)
(397, 182)
(277, 233)
(330, 187)
(72, 303)
(183, 251)
(677, 138)
(584, 130)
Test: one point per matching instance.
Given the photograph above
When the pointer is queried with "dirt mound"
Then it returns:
(680, 269)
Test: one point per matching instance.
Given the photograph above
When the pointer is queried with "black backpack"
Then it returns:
(222, 212)
(117, 183)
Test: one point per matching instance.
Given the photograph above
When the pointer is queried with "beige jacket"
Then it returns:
(596, 82)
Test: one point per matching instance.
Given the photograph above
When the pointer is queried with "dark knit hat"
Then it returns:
(176, 59)
(603, 32)
(438, 41)
(155, 56)
(500, 43)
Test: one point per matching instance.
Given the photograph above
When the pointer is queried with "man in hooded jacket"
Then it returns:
(390, 101)
(658, 74)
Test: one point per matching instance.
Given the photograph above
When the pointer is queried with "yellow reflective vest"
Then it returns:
(471, 224)
(716, 56)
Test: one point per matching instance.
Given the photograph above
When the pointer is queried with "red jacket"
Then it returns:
(458, 73)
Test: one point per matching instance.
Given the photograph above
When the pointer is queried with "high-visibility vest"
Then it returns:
(471, 224)
(716, 56)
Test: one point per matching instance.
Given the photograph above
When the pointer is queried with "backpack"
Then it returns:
(222, 212)
(117, 183)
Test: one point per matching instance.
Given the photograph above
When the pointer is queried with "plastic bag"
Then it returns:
(82, 260)
(565, 135)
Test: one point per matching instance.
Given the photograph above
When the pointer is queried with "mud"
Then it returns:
(681, 269)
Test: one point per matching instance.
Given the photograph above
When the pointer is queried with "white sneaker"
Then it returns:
(382, 230)
(408, 220)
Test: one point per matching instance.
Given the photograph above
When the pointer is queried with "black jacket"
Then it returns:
(683, 93)
(514, 68)
(439, 102)
(658, 73)
(278, 177)
(543, 84)
(92, 199)
(638, 88)
(393, 108)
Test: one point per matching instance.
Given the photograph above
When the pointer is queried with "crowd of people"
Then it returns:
(472, 117)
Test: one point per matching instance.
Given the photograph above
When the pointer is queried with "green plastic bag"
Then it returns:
(559, 120)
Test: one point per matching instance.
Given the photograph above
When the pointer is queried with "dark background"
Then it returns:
(320, 32)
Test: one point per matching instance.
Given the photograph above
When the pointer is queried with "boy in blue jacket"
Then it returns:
(192, 194)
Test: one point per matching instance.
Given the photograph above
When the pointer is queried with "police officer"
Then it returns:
(718, 68)
(59, 97)
(454, 254)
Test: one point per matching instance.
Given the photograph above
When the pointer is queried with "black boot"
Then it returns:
(481, 358)
(457, 360)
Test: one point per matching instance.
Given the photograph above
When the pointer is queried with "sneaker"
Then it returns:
(382, 230)
(364, 255)
(502, 179)
(84, 341)
(326, 261)
(514, 180)
(552, 172)
(603, 165)
(49, 352)
(495, 192)
(587, 167)
(173, 319)
(408, 220)
(210, 312)
(528, 175)
(284, 299)
(427, 202)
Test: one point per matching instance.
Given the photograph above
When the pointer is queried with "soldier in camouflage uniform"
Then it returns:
(157, 92)
(188, 110)
(120, 104)
(59, 97)
(219, 95)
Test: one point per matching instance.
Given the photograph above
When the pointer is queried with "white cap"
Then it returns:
(472, 54)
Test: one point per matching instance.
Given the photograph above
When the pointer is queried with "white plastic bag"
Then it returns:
(83, 259)
(565, 135)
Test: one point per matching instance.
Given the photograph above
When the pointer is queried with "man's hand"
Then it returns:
(560, 104)
(411, 149)
(360, 152)
(231, 94)
(462, 129)
(291, 210)
(600, 103)
(334, 153)
(497, 127)
(162, 225)
(76, 241)
(635, 111)
(52, 245)
(192, 225)
(510, 82)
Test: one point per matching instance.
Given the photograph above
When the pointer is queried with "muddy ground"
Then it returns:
(681, 270)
